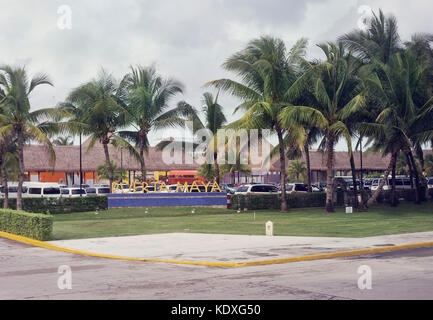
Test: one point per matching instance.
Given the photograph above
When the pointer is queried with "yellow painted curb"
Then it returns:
(322, 256)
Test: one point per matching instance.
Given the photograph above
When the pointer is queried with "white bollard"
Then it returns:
(349, 210)
(269, 228)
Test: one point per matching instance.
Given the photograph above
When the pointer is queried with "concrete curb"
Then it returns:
(323, 256)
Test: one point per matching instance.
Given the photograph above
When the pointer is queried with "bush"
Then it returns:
(60, 205)
(273, 201)
(406, 195)
(30, 225)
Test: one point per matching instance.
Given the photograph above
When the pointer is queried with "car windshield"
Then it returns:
(430, 181)
(64, 191)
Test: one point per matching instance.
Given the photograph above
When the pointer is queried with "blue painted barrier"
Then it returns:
(174, 199)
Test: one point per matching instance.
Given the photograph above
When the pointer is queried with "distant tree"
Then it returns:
(118, 173)
(63, 141)
(297, 171)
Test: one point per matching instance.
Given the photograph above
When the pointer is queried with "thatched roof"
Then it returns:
(37, 158)
(371, 161)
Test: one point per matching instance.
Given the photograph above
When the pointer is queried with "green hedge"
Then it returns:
(60, 205)
(406, 195)
(30, 225)
(273, 201)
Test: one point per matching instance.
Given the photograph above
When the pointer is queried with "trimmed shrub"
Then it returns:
(273, 201)
(61, 205)
(30, 225)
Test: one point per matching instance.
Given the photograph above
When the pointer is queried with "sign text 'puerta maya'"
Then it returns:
(142, 187)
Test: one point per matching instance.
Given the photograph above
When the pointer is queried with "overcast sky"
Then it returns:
(187, 40)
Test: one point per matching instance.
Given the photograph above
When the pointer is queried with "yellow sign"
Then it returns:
(142, 187)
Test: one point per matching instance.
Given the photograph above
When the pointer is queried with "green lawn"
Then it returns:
(380, 220)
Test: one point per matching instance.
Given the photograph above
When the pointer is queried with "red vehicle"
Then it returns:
(183, 176)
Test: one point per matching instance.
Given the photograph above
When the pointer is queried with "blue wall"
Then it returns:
(119, 200)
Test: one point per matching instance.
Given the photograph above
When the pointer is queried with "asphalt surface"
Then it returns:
(28, 272)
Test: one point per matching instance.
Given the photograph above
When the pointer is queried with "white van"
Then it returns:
(42, 190)
(34, 190)
(12, 190)
(73, 192)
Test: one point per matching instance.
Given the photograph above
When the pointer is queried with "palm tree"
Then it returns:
(101, 115)
(214, 120)
(147, 97)
(18, 121)
(401, 123)
(338, 95)
(267, 72)
(118, 173)
(379, 42)
(297, 170)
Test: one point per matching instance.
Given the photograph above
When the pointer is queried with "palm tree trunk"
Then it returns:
(355, 186)
(108, 162)
(21, 169)
(330, 174)
(4, 180)
(143, 164)
(392, 162)
(5, 188)
(307, 160)
(393, 191)
(217, 167)
(283, 171)
(415, 173)
(409, 165)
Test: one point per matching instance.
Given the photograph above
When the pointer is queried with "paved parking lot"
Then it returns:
(28, 272)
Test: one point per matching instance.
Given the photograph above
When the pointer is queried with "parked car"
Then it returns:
(12, 191)
(98, 191)
(401, 183)
(296, 188)
(73, 192)
(256, 189)
(43, 190)
(230, 188)
(33, 190)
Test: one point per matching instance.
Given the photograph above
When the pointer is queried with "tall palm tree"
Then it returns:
(147, 97)
(401, 123)
(18, 120)
(338, 95)
(101, 115)
(266, 71)
(380, 41)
